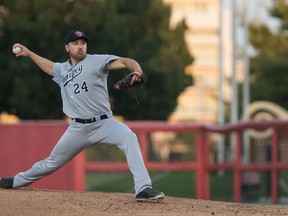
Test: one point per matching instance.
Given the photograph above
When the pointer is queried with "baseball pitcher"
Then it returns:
(83, 83)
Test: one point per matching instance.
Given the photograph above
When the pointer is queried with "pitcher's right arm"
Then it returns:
(45, 64)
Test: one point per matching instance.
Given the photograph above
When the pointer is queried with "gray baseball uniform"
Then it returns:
(85, 96)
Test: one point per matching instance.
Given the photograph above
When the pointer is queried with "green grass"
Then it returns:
(179, 184)
(221, 186)
(174, 184)
(110, 182)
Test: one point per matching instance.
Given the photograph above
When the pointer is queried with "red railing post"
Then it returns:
(79, 172)
(274, 169)
(237, 171)
(143, 142)
(202, 176)
(205, 167)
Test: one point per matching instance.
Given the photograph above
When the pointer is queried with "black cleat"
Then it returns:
(148, 194)
(6, 182)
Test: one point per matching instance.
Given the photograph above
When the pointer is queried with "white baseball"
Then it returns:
(16, 50)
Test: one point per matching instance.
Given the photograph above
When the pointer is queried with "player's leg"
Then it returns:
(116, 133)
(73, 141)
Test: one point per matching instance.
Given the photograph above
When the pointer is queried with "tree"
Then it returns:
(269, 67)
(135, 29)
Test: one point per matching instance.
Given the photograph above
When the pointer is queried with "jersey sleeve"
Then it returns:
(107, 60)
(57, 73)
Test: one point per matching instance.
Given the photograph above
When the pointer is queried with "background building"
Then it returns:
(198, 103)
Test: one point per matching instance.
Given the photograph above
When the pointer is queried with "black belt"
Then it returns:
(88, 121)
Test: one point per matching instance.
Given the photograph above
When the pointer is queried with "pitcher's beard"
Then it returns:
(78, 56)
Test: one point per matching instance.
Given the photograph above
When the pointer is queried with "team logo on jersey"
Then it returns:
(70, 76)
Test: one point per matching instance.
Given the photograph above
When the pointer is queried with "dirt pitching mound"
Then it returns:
(69, 203)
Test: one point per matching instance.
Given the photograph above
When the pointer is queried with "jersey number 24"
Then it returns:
(78, 87)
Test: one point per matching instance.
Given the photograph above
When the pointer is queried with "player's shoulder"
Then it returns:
(101, 57)
(94, 57)
(98, 55)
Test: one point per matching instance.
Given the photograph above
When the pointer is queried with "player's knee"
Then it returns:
(130, 140)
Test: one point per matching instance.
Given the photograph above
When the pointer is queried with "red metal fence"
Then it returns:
(27, 142)
(23, 144)
(201, 165)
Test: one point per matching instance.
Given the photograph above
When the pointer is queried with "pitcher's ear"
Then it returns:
(67, 48)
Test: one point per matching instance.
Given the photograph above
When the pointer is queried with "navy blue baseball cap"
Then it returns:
(74, 35)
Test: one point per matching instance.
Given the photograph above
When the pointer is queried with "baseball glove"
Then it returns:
(125, 83)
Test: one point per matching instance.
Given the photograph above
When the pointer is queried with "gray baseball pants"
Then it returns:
(80, 136)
